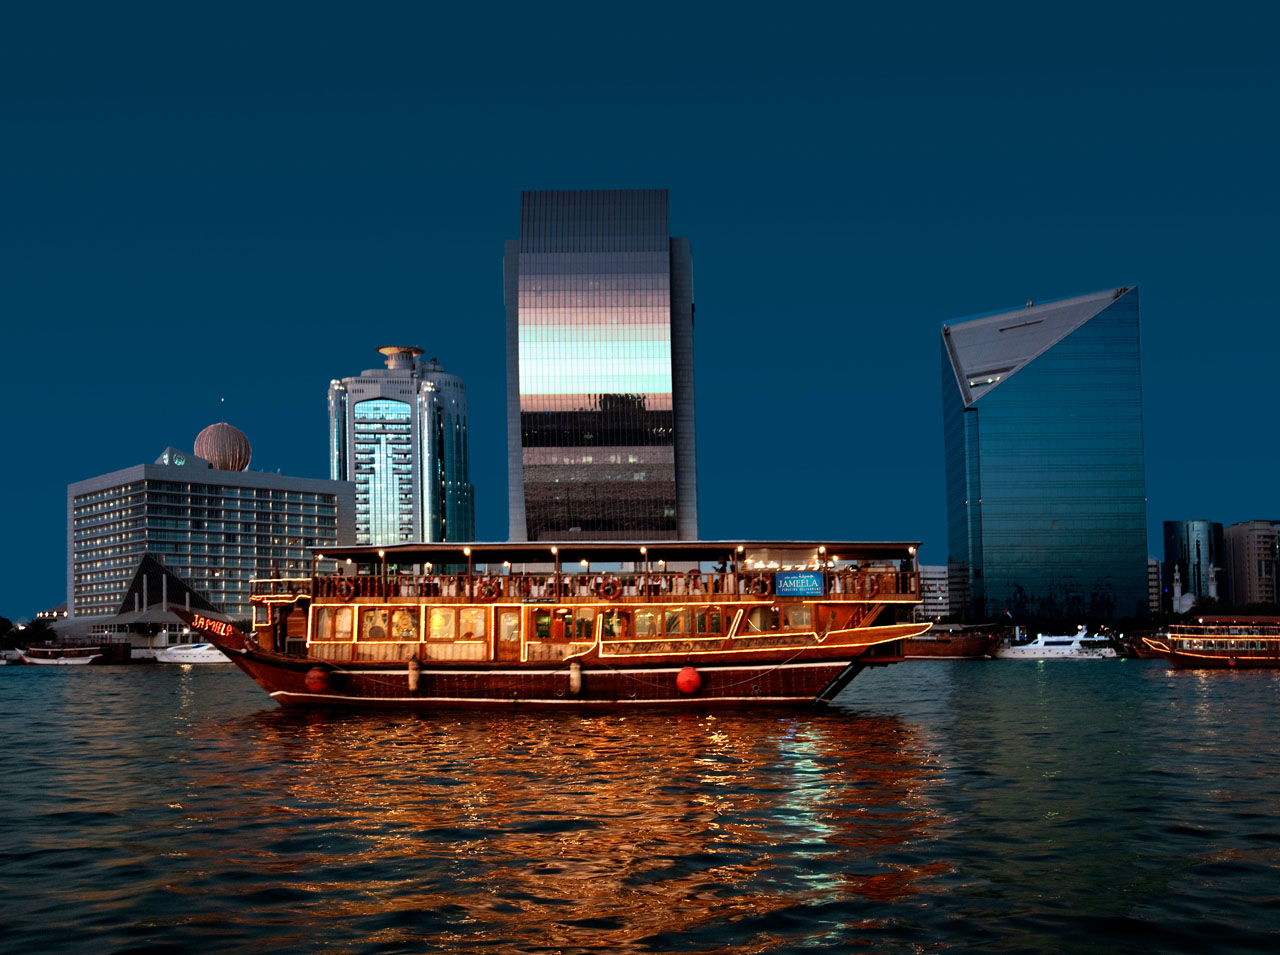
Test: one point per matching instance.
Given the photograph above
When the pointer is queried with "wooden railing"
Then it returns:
(848, 584)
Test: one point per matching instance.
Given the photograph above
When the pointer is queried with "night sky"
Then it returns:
(210, 210)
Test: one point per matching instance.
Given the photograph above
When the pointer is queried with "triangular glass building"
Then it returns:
(1046, 494)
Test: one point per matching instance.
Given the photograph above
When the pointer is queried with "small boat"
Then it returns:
(949, 642)
(52, 654)
(191, 653)
(1079, 646)
(1220, 643)
(426, 626)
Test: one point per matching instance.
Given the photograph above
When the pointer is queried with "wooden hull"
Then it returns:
(967, 647)
(1212, 659)
(726, 681)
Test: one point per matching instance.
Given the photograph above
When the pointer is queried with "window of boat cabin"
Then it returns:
(404, 623)
(709, 620)
(440, 623)
(509, 626)
(799, 617)
(583, 626)
(333, 625)
(471, 623)
(542, 624)
(676, 621)
(761, 619)
(615, 625)
(647, 622)
(375, 623)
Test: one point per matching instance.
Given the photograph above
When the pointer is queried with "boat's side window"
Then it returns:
(647, 623)
(471, 623)
(675, 622)
(333, 624)
(542, 624)
(615, 625)
(761, 619)
(799, 617)
(709, 621)
(583, 625)
(373, 624)
(509, 626)
(440, 623)
(404, 623)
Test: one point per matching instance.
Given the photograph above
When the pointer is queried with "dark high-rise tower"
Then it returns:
(600, 423)
(1042, 421)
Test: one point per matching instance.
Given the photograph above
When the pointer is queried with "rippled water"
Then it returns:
(1001, 806)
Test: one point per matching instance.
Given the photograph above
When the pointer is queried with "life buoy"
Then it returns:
(489, 590)
(761, 586)
(344, 588)
(610, 588)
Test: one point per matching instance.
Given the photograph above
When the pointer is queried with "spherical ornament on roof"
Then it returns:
(224, 446)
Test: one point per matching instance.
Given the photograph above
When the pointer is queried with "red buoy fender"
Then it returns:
(610, 589)
(317, 680)
(688, 680)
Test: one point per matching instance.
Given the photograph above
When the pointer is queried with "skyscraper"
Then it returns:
(600, 421)
(400, 433)
(1042, 424)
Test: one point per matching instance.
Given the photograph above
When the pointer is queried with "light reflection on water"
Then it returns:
(998, 806)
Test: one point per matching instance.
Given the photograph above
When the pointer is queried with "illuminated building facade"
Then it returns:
(600, 419)
(215, 529)
(1046, 491)
(400, 434)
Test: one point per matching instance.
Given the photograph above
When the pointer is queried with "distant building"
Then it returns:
(935, 592)
(1252, 558)
(600, 420)
(400, 434)
(1042, 421)
(1193, 553)
(212, 527)
(1154, 588)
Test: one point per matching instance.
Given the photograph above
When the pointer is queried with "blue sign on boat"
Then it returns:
(798, 583)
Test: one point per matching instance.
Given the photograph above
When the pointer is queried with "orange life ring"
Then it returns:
(761, 586)
(610, 588)
(344, 588)
(489, 589)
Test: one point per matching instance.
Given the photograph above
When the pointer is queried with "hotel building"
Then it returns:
(213, 527)
(1252, 552)
(1042, 423)
(600, 419)
(400, 434)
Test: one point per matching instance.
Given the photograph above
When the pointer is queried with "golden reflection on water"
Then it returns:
(561, 828)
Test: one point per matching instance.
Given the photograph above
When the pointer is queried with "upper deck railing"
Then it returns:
(852, 584)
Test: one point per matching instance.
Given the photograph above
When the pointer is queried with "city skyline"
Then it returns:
(324, 198)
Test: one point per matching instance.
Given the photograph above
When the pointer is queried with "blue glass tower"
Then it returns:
(1046, 492)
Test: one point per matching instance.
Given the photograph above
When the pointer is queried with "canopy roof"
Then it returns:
(540, 552)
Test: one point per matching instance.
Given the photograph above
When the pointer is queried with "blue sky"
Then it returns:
(210, 210)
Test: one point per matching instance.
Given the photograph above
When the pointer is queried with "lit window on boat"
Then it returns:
(799, 617)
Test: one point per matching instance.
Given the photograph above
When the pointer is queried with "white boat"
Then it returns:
(60, 655)
(1080, 646)
(191, 653)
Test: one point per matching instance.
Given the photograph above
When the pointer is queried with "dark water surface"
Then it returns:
(998, 807)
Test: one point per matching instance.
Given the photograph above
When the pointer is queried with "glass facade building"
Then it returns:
(215, 529)
(400, 434)
(1194, 551)
(600, 424)
(1045, 484)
